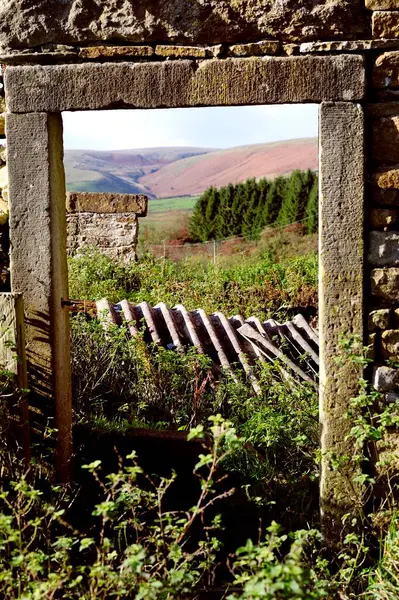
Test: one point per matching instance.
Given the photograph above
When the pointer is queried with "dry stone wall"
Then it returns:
(383, 218)
(108, 222)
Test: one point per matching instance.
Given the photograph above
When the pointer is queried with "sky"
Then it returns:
(202, 127)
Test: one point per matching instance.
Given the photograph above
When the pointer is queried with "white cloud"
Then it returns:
(210, 127)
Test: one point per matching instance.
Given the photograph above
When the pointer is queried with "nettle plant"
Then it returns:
(138, 549)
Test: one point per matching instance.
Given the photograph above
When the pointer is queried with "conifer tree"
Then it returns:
(312, 209)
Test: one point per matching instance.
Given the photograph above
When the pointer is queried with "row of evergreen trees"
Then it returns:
(245, 209)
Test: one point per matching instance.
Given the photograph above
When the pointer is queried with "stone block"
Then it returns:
(379, 319)
(384, 248)
(383, 197)
(385, 379)
(37, 58)
(392, 398)
(29, 24)
(382, 4)
(256, 49)
(396, 318)
(182, 52)
(38, 263)
(347, 46)
(95, 52)
(90, 202)
(390, 344)
(384, 218)
(386, 70)
(233, 81)
(385, 284)
(382, 109)
(387, 178)
(385, 24)
(385, 139)
(387, 455)
(341, 292)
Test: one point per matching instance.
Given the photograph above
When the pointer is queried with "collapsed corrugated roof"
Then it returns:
(232, 343)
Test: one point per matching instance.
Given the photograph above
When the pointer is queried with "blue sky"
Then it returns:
(204, 127)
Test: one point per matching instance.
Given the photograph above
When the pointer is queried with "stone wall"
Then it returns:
(108, 222)
(383, 217)
(90, 55)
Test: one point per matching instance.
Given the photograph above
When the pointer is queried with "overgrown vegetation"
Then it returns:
(253, 285)
(247, 208)
(136, 546)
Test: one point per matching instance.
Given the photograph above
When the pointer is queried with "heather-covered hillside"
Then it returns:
(166, 172)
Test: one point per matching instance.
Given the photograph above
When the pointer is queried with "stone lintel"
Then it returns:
(102, 203)
(38, 264)
(233, 81)
(341, 273)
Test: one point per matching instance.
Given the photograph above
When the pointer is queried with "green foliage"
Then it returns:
(251, 286)
(263, 571)
(247, 208)
(136, 549)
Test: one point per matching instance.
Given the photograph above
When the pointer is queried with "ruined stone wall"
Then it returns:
(344, 54)
(108, 222)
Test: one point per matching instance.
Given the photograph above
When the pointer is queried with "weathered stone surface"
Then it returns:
(341, 296)
(30, 23)
(396, 318)
(384, 248)
(379, 319)
(94, 52)
(382, 4)
(114, 234)
(38, 262)
(291, 49)
(385, 139)
(386, 70)
(371, 346)
(390, 344)
(385, 379)
(182, 51)
(384, 109)
(90, 202)
(384, 218)
(387, 178)
(36, 58)
(347, 46)
(233, 81)
(385, 24)
(385, 284)
(384, 197)
(256, 49)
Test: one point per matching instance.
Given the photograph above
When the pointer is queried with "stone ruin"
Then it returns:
(341, 54)
(106, 221)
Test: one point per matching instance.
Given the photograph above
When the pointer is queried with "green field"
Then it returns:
(157, 205)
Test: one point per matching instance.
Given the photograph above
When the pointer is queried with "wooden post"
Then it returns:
(13, 360)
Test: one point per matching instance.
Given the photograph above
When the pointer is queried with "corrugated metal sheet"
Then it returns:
(232, 343)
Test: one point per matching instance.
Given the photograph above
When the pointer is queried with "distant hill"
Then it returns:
(119, 170)
(166, 172)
